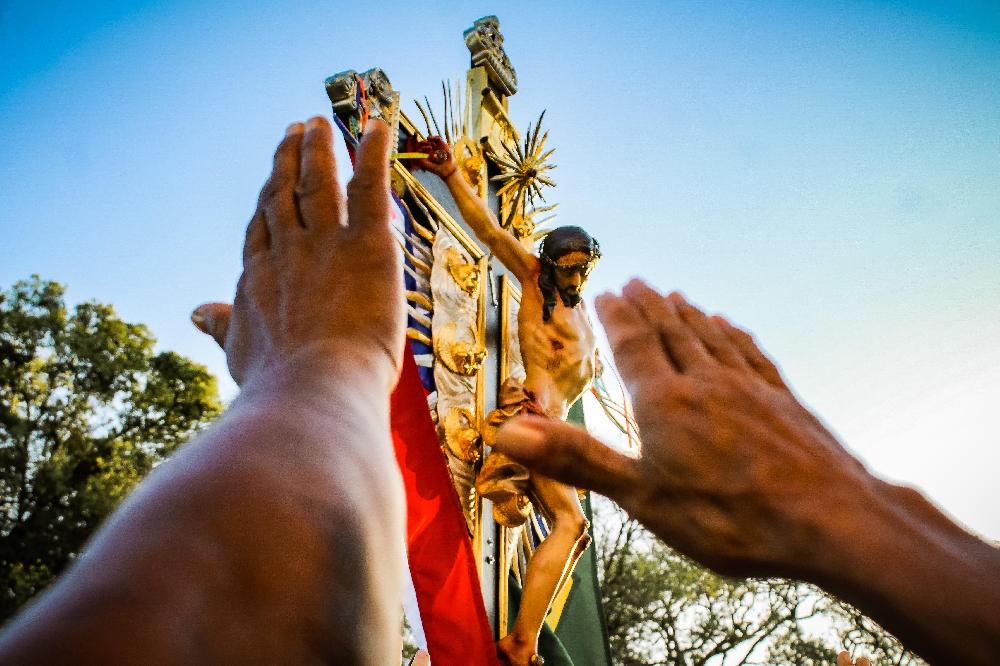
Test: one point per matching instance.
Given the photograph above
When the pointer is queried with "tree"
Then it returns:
(662, 608)
(87, 408)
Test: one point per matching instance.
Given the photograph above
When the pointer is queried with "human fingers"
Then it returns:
(862, 661)
(258, 240)
(711, 335)
(568, 454)
(757, 359)
(278, 196)
(639, 354)
(680, 341)
(368, 191)
(844, 659)
(213, 319)
(318, 193)
(433, 142)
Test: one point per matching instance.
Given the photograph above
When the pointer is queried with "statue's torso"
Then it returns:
(558, 354)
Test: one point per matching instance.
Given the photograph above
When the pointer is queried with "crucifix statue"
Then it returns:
(558, 352)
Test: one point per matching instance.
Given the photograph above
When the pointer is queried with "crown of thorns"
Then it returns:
(564, 240)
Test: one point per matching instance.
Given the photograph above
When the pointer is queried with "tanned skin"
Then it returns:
(736, 473)
(559, 364)
(277, 535)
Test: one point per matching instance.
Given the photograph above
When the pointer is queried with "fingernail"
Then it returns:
(295, 128)
(518, 434)
(200, 319)
(314, 122)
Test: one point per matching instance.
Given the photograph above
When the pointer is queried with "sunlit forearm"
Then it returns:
(936, 586)
(281, 516)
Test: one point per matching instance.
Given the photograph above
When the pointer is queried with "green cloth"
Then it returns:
(581, 638)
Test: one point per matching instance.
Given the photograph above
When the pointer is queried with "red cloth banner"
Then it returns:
(442, 564)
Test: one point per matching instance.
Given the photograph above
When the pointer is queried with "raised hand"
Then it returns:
(321, 285)
(732, 464)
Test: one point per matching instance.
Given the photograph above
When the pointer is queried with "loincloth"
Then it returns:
(501, 480)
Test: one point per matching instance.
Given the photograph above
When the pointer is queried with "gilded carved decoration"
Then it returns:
(522, 176)
(485, 44)
(461, 356)
(373, 88)
(461, 438)
(470, 160)
(466, 275)
(454, 128)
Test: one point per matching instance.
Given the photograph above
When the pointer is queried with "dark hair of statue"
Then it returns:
(558, 243)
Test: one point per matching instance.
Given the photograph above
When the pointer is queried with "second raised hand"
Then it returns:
(731, 461)
(320, 270)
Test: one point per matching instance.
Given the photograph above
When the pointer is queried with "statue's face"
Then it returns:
(571, 272)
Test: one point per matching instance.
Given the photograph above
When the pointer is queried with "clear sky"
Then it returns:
(827, 174)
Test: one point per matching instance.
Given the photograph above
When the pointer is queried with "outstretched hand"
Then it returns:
(321, 285)
(732, 465)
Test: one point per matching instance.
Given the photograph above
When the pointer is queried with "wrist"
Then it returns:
(323, 377)
(898, 559)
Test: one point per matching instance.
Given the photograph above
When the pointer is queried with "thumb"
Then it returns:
(213, 319)
(568, 454)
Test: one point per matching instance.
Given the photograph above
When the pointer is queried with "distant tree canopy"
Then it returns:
(87, 408)
(662, 608)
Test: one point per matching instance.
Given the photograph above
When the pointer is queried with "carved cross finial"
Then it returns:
(485, 42)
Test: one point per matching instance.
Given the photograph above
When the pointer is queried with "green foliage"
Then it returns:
(87, 408)
(409, 642)
(662, 608)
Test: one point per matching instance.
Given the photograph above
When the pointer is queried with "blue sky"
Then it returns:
(827, 174)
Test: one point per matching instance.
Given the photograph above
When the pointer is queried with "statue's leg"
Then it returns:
(550, 565)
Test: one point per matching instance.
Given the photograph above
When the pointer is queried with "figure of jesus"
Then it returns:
(558, 352)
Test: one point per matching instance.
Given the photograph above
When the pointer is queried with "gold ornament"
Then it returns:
(460, 436)
(465, 275)
(460, 356)
(522, 172)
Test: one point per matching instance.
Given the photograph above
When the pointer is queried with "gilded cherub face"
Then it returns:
(465, 274)
(468, 357)
(460, 434)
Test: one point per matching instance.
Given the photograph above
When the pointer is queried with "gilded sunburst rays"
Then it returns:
(455, 118)
(523, 173)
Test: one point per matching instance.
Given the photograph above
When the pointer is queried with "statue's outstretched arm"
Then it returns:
(504, 246)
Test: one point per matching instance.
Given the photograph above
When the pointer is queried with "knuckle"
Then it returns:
(310, 185)
(634, 346)
(630, 339)
(271, 190)
(744, 337)
(360, 186)
(683, 393)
